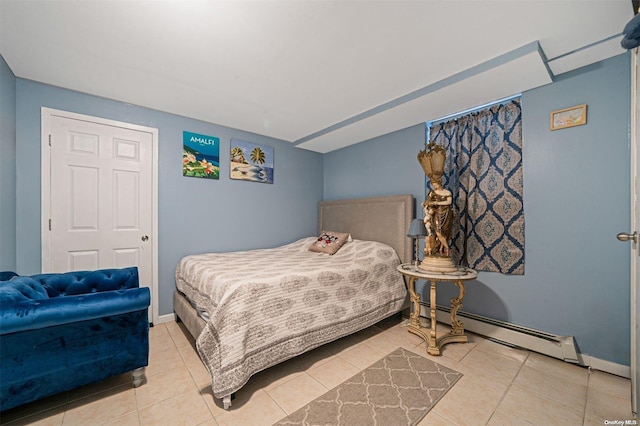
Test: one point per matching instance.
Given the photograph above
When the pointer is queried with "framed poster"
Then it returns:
(251, 162)
(200, 156)
(569, 117)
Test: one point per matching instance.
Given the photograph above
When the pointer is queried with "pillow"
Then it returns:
(329, 242)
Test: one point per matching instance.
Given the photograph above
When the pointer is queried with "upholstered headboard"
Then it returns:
(383, 219)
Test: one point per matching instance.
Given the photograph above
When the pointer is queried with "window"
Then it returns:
(484, 174)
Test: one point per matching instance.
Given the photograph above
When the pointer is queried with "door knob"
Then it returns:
(145, 237)
(625, 236)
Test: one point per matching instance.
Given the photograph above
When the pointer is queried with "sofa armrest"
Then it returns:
(32, 314)
(7, 275)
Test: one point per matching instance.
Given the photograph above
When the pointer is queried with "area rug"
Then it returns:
(399, 389)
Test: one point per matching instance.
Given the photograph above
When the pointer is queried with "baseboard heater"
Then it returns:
(561, 347)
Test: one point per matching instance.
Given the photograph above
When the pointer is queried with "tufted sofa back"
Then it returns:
(83, 282)
(7, 275)
(19, 289)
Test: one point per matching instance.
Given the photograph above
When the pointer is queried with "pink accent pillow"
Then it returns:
(329, 242)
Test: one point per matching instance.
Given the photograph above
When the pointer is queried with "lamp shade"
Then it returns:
(417, 229)
(432, 162)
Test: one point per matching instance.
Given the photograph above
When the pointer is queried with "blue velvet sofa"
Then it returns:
(61, 331)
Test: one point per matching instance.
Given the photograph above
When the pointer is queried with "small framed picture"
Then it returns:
(251, 162)
(568, 117)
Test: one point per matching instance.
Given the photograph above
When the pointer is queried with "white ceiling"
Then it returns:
(320, 74)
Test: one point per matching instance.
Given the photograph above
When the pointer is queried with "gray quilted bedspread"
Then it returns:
(266, 306)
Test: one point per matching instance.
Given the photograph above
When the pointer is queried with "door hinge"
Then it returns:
(49, 224)
(49, 140)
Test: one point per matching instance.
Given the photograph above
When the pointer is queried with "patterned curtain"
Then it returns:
(484, 173)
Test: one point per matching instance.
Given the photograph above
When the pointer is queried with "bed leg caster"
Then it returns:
(226, 401)
(137, 376)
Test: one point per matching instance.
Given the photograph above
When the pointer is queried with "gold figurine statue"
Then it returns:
(438, 213)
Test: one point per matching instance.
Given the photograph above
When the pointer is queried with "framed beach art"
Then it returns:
(200, 156)
(568, 117)
(251, 162)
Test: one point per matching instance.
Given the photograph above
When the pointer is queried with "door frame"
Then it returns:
(46, 117)
(634, 132)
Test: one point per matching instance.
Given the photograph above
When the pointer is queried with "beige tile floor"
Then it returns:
(500, 386)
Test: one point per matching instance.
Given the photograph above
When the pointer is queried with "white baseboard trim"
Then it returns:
(607, 366)
(166, 318)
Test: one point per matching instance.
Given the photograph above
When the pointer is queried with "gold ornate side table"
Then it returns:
(434, 343)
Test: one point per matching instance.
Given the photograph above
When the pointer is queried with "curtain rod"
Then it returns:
(470, 110)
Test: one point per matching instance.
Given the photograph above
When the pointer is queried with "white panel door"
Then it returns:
(632, 236)
(100, 197)
(635, 227)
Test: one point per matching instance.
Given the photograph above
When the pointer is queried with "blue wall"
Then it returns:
(7, 168)
(576, 184)
(385, 165)
(194, 215)
(576, 278)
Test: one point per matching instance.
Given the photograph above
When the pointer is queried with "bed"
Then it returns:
(253, 309)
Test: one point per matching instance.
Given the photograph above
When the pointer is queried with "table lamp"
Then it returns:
(416, 230)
